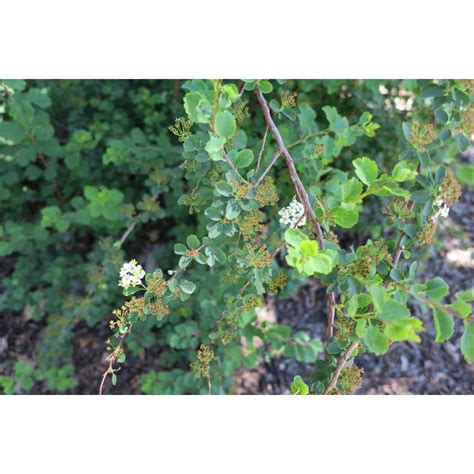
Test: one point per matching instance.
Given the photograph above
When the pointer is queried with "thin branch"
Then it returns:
(300, 189)
(267, 169)
(128, 232)
(112, 358)
(307, 137)
(261, 150)
(116, 352)
(303, 195)
(229, 161)
(341, 364)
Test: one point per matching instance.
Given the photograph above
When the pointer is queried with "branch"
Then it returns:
(116, 352)
(341, 364)
(229, 161)
(261, 150)
(267, 169)
(112, 358)
(300, 189)
(303, 195)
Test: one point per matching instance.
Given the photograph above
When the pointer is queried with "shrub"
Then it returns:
(246, 188)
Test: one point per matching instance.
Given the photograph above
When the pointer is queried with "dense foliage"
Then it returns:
(225, 191)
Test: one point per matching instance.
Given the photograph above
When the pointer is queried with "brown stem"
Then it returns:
(341, 364)
(128, 231)
(267, 169)
(112, 358)
(259, 160)
(303, 195)
(300, 189)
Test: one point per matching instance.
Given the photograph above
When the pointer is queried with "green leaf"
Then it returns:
(214, 147)
(131, 290)
(404, 171)
(378, 295)
(298, 387)
(225, 125)
(336, 122)
(432, 91)
(203, 111)
(309, 248)
(404, 329)
(187, 286)
(306, 118)
(406, 128)
(322, 263)
(15, 84)
(232, 209)
(393, 310)
(192, 241)
(351, 190)
(12, 133)
(361, 327)
(180, 249)
(436, 288)
(196, 107)
(462, 307)
(265, 87)
(444, 325)
(244, 158)
(295, 237)
(224, 189)
(467, 342)
(345, 218)
(376, 341)
(366, 169)
(462, 142)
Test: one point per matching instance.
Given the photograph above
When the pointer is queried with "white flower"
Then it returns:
(131, 274)
(291, 214)
(443, 209)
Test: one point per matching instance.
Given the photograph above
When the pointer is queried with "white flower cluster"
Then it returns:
(443, 209)
(291, 214)
(131, 274)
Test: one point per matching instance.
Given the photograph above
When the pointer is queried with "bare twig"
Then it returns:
(267, 169)
(341, 364)
(307, 137)
(303, 195)
(128, 232)
(259, 160)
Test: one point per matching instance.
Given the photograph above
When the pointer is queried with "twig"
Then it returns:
(261, 150)
(229, 161)
(341, 364)
(112, 358)
(300, 189)
(128, 232)
(307, 137)
(303, 195)
(267, 169)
